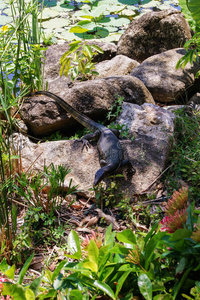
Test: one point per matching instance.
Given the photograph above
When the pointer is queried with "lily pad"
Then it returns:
(152, 3)
(48, 13)
(47, 3)
(3, 4)
(113, 37)
(128, 13)
(56, 23)
(5, 20)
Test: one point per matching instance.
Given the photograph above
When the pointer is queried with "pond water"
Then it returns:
(105, 19)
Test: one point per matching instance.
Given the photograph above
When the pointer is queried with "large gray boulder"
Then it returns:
(150, 130)
(165, 83)
(118, 65)
(93, 98)
(153, 33)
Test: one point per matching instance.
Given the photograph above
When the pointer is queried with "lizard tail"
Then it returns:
(78, 116)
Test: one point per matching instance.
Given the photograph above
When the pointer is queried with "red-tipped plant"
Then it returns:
(176, 211)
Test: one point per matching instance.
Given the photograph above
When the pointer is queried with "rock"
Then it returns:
(93, 98)
(83, 164)
(194, 102)
(119, 65)
(152, 128)
(54, 53)
(153, 33)
(160, 76)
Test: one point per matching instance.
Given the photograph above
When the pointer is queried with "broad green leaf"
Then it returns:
(145, 286)
(74, 244)
(194, 8)
(15, 290)
(180, 234)
(105, 288)
(93, 252)
(121, 281)
(149, 251)
(10, 272)
(127, 236)
(109, 235)
(91, 266)
(24, 269)
(4, 266)
(75, 295)
(29, 294)
(106, 272)
(35, 284)
(187, 13)
(58, 269)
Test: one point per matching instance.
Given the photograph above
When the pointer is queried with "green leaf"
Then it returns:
(67, 66)
(97, 48)
(163, 297)
(4, 266)
(14, 290)
(121, 281)
(34, 286)
(81, 67)
(104, 288)
(78, 29)
(74, 243)
(10, 272)
(89, 51)
(180, 234)
(24, 269)
(190, 219)
(29, 294)
(75, 295)
(187, 13)
(93, 252)
(109, 235)
(58, 269)
(91, 266)
(145, 286)
(127, 236)
(194, 8)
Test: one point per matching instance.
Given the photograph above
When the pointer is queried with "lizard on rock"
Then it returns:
(109, 148)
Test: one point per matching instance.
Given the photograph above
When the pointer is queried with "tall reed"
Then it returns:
(21, 63)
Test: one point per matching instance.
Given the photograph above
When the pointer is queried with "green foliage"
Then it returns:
(145, 266)
(21, 56)
(116, 109)
(45, 189)
(191, 11)
(185, 154)
(95, 23)
(44, 193)
(78, 61)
